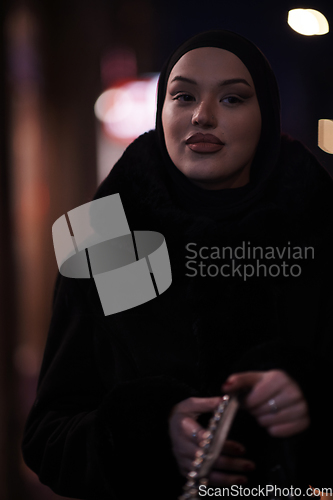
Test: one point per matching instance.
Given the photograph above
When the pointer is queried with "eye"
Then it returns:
(232, 99)
(184, 98)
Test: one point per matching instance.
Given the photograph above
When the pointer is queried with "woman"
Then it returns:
(123, 399)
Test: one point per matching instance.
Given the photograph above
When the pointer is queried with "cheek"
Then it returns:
(172, 126)
(248, 129)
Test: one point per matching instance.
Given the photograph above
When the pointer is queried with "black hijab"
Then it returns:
(220, 204)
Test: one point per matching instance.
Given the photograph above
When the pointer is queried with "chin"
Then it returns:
(207, 182)
(202, 171)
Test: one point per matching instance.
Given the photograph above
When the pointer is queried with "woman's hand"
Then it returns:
(186, 434)
(274, 399)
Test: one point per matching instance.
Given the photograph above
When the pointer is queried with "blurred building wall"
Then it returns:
(51, 55)
(10, 484)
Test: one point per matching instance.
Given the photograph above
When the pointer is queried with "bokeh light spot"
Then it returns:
(325, 135)
(308, 22)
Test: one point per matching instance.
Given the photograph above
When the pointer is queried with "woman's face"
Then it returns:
(211, 118)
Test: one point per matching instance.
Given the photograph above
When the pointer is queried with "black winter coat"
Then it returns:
(99, 425)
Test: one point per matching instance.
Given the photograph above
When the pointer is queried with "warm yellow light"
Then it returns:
(325, 135)
(308, 22)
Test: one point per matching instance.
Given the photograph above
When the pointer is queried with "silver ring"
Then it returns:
(273, 406)
(194, 435)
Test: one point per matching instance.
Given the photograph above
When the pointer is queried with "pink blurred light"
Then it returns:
(128, 109)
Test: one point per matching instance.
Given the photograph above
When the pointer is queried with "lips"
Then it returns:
(204, 143)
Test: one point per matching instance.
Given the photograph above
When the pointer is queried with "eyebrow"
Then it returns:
(220, 84)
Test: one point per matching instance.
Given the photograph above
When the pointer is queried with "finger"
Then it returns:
(232, 464)
(290, 429)
(272, 384)
(276, 404)
(287, 394)
(191, 429)
(201, 434)
(196, 406)
(241, 381)
(185, 465)
(232, 448)
(289, 414)
(185, 449)
(216, 478)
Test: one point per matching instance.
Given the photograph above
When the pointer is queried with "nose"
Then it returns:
(205, 115)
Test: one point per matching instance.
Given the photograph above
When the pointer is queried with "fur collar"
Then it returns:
(297, 204)
(297, 209)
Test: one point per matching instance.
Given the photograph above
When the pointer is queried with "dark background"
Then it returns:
(54, 64)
